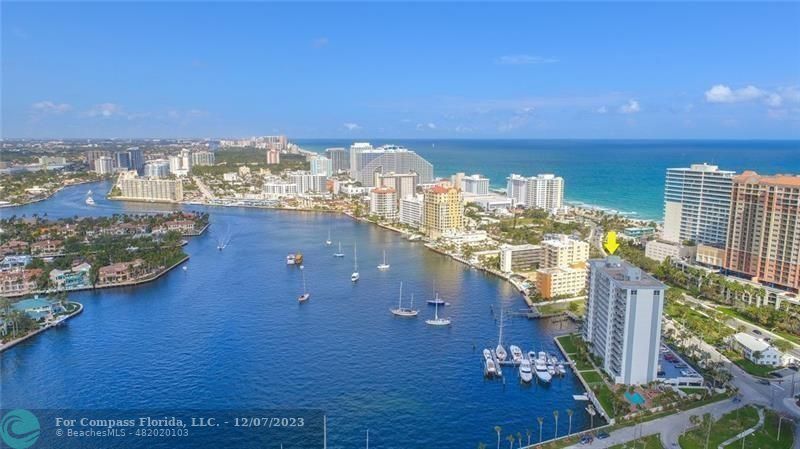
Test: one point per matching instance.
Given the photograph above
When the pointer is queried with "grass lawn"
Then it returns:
(728, 426)
(650, 442)
(592, 377)
(689, 390)
(568, 343)
(605, 395)
(767, 436)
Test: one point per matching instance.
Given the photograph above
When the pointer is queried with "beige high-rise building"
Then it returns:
(764, 229)
(383, 202)
(405, 184)
(150, 189)
(561, 281)
(443, 211)
(562, 250)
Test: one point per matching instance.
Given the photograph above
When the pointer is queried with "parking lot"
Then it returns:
(673, 369)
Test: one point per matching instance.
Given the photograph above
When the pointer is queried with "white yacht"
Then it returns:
(384, 266)
(541, 369)
(487, 354)
(516, 353)
(290, 259)
(436, 321)
(436, 301)
(339, 253)
(525, 372)
(355, 276)
(490, 368)
(407, 312)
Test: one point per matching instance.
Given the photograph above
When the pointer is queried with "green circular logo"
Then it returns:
(19, 429)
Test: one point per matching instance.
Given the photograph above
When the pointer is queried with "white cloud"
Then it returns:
(721, 93)
(50, 107)
(524, 60)
(351, 126)
(602, 110)
(104, 110)
(428, 125)
(631, 107)
(319, 42)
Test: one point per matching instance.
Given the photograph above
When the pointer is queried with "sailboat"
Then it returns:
(354, 277)
(328, 242)
(384, 266)
(436, 301)
(304, 297)
(89, 200)
(403, 311)
(500, 351)
(339, 253)
(436, 321)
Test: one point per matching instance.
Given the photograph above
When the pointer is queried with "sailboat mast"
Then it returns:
(400, 300)
(355, 257)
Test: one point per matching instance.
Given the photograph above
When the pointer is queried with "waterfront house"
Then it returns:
(47, 247)
(120, 272)
(14, 262)
(38, 308)
(13, 247)
(182, 226)
(76, 277)
(19, 282)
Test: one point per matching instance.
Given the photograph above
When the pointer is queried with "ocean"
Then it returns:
(623, 175)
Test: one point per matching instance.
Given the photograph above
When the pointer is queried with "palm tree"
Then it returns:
(498, 429)
(541, 420)
(510, 439)
(555, 415)
(528, 432)
(519, 439)
(569, 413)
(481, 445)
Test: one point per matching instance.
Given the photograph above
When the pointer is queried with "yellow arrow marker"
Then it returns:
(611, 244)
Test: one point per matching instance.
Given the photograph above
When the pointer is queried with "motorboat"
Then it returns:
(501, 353)
(437, 301)
(290, 260)
(525, 372)
(516, 353)
(355, 276)
(487, 354)
(560, 369)
(541, 371)
(490, 367)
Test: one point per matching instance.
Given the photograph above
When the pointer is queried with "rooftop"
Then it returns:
(750, 342)
(624, 274)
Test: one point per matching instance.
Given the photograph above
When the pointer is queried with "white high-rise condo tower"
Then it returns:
(623, 320)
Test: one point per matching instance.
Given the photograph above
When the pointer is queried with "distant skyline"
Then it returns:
(401, 70)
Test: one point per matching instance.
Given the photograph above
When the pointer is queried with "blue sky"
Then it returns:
(427, 70)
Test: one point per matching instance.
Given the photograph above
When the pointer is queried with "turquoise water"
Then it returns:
(635, 398)
(625, 175)
(228, 333)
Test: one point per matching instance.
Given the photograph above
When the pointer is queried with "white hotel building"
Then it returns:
(623, 320)
(697, 204)
(544, 191)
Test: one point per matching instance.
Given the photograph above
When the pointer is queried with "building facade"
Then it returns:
(157, 168)
(386, 159)
(150, 189)
(273, 157)
(697, 204)
(405, 184)
(544, 191)
(562, 250)
(340, 160)
(623, 320)
(520, 258)
(321, 165)
(136, 158)
(475, 184)
(411, 211)
(444, 211)
(763, 240)
(104, 165)
(383, 202)
(203, 158)
(557, 282)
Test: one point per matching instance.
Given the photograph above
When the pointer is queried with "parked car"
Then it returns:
(587, 439)
(602, 435)
(763, 381)
(757, 332)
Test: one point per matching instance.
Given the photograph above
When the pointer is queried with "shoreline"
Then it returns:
(49, 195)
(19, 340)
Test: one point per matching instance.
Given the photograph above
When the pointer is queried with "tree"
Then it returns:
(555, 415)
(541, 420)
(510, 439)
(528, 433)
(498, 429)
(569, 414)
